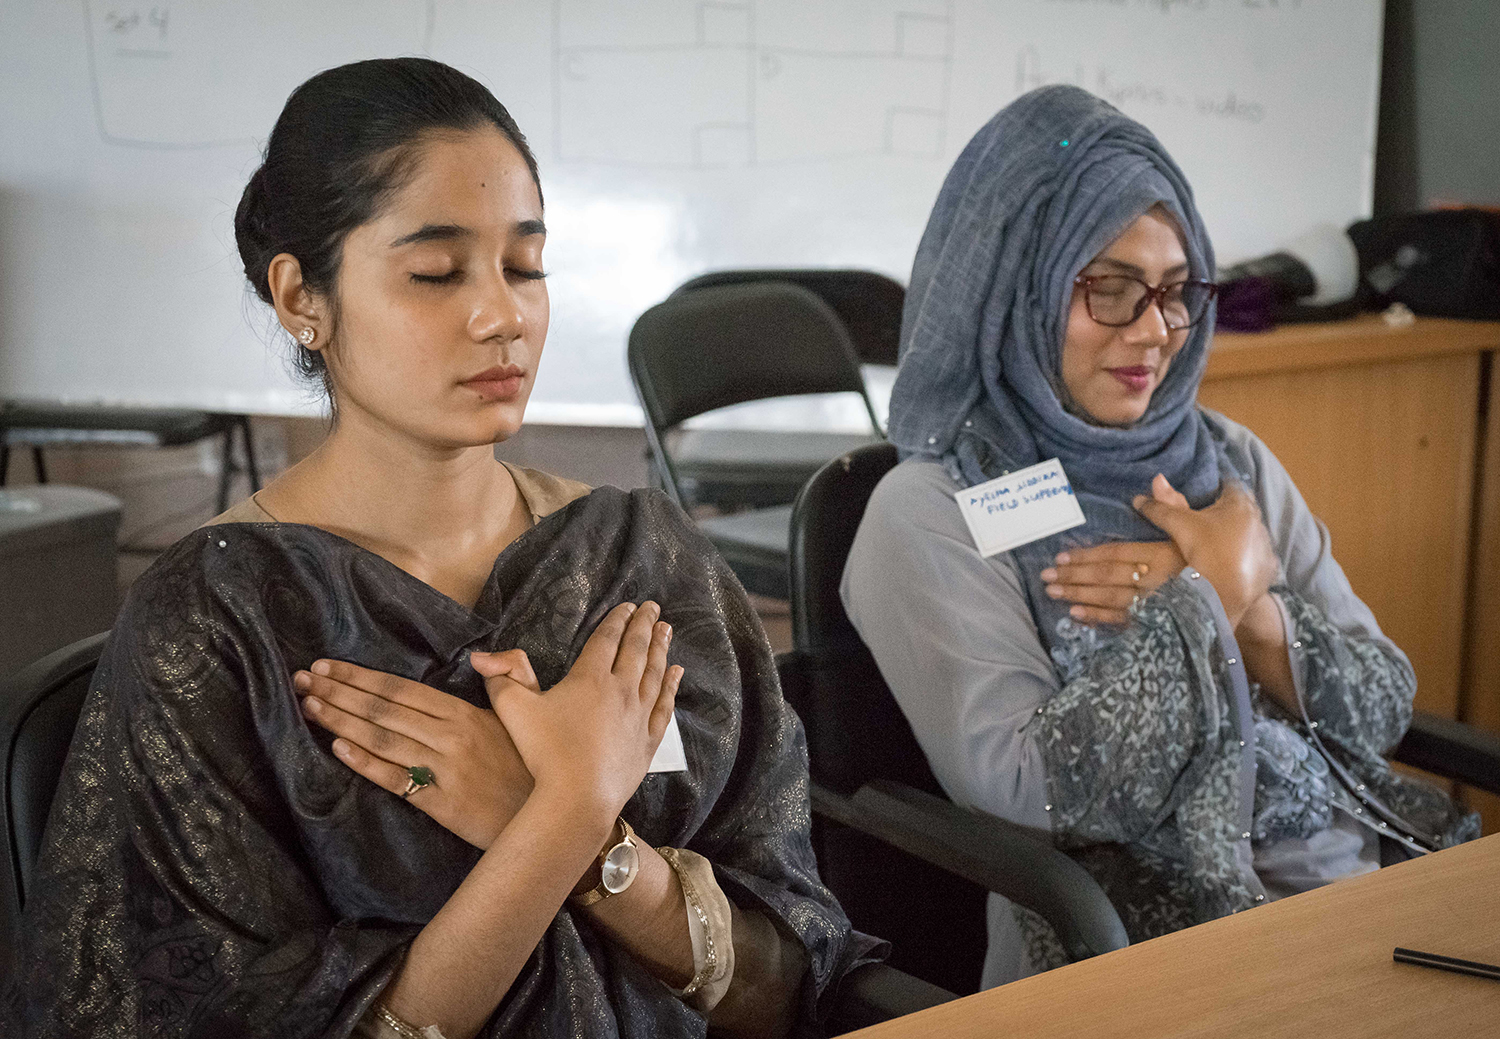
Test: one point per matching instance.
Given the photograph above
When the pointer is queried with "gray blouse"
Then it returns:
(955, 639)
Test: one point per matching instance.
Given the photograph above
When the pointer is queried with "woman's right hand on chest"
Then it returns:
(1226, 542)
(590, 739)
(386, 725)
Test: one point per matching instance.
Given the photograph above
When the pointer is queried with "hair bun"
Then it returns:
(253, 236)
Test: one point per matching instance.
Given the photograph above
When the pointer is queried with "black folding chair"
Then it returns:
(869, 304)
(723, 345)
(734, 469)
(906, 862)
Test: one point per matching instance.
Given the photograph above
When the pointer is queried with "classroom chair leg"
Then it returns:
(226, 469)
(254, 470)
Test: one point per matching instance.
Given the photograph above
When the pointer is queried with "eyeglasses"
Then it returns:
(1117, 300)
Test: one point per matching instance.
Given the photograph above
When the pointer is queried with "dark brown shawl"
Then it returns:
(211, 869)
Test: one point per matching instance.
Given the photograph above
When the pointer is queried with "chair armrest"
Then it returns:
(1452, 749)
(875, 992)
(1014, 861)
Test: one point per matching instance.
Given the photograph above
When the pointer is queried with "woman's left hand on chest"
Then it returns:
(386, 725)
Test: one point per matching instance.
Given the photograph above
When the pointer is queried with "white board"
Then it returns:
(675, 136)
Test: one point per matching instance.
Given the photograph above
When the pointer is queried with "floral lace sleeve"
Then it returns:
(1358, 690)
(1123, 740)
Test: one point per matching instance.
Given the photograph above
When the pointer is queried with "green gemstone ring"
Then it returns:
(417, 777)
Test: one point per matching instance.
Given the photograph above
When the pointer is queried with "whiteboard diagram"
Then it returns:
(675, 136)
(1139, 92)
(202, 73)
(714, 84)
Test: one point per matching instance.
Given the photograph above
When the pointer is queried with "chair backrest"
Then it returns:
(39, 708)
(856, 733)
(861, 731)
(729, 344)
(708, 349)
(868, 303)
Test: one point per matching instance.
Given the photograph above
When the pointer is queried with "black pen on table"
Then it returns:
(1457, 966)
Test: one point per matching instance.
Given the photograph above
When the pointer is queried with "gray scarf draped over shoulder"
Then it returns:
(1043, 188)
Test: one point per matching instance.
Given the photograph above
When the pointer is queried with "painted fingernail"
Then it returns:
(1054, 590)
(1049, 574)
(320, 667)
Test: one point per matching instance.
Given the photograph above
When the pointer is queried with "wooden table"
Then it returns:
(1317, 965)
(1387, 436)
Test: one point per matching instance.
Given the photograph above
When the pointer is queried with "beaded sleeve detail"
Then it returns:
(709, 928)
(1357, 705)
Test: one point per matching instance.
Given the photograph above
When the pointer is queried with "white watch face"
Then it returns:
(620, 867)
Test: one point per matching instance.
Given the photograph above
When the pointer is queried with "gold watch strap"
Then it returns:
(599, 892)
(588, 898)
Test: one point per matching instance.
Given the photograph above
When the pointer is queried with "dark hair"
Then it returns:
(343, 142)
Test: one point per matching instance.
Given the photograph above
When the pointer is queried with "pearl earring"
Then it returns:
(307, 335)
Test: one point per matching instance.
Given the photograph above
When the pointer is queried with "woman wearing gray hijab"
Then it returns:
(1183, 689)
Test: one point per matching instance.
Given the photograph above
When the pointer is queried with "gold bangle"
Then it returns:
(395, 1024)
(710, 951)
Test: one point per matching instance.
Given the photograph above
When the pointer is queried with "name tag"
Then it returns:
(670, 757)
(1020, 508)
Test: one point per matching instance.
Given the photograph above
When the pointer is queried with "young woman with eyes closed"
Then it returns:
(1184, 690)
(317, 789)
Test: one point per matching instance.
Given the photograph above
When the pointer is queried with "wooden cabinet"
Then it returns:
(1393, 437)
(1479, 700)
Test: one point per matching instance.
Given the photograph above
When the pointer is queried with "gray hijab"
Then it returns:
(1039, 192)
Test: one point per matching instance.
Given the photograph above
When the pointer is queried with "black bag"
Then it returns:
(1444, 264)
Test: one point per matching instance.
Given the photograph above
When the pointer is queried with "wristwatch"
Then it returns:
(618, 866)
